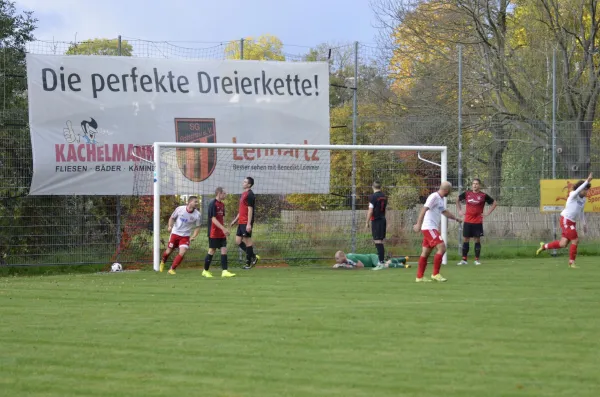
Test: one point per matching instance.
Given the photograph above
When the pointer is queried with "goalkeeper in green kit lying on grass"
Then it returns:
(358, 261)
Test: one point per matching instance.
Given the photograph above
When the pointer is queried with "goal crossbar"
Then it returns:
(157, 146)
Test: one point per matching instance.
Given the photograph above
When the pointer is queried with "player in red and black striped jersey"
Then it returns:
(217, 234)
(376, 215)
(475, 201)
(245, 219)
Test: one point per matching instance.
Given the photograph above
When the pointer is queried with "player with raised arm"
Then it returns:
(245, 219)
(376, 215)
(184, 220)
(217, 234)
(475, 201)
(429, 225)
(568, 221)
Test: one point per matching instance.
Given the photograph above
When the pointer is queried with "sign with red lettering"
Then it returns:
(93, 120)
(555, 192)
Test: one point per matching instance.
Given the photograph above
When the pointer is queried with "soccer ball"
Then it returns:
(116, 267)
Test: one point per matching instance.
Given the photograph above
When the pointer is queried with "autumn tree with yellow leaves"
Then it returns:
(507, 48)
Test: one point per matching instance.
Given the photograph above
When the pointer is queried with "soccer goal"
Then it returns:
(311, 200)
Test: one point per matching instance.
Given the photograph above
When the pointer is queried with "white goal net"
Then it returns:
(311, 200)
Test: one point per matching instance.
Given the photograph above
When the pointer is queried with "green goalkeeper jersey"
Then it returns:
(369, 260)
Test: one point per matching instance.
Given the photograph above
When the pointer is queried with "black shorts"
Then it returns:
(216, 243)
(472, 229)
(378, 227)
(241, 231)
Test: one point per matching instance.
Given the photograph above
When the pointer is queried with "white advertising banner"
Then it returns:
(87, 113)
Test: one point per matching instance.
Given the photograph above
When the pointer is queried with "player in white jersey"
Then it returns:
(568, 221)
(184, 225)
(429, 225)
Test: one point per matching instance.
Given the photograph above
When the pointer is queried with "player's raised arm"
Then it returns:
(584, 184)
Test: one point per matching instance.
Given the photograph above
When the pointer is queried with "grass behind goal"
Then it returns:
(508, 328)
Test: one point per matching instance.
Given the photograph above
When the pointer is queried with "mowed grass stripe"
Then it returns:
(522, 327)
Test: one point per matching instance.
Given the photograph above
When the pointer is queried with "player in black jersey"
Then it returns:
(376, 215)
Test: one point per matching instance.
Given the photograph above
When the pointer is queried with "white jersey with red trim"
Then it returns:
(574, 206)
(433, 216)
(185, 221)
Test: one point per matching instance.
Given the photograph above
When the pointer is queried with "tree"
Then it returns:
(16, 30)
(100, 47)
(572, 27)
(264, 48)
(421, 37)
(373, 84)
(369, 165)
(507, 60)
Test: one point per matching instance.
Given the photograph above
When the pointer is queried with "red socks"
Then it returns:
(422, 266)
(572, 253)
(437, 263)
(165, 256)
(176, 261)
(556, 245)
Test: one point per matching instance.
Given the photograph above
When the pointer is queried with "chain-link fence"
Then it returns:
(375, 98)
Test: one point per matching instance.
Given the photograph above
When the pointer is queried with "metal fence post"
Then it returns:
(554, 134)
(460, 170)
(240, 251)
(554, 113)
(118, 198)
(354, 122)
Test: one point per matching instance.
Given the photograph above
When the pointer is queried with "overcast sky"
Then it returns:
(295, 22)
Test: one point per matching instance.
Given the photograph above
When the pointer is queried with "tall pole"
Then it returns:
(554, 132)
(354, 122)
(554, 114)
(240, 251)
(156, 206)
(118, 198)
(444, 175)
(460, 170)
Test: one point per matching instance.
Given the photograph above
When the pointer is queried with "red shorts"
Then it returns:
(431, 238)
(568, 229)
(179, 241)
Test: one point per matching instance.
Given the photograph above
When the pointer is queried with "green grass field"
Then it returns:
(519, 327)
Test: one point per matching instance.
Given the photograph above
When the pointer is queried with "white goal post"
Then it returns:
(299, 151)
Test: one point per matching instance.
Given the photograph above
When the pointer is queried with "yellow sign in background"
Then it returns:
(554, 193)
